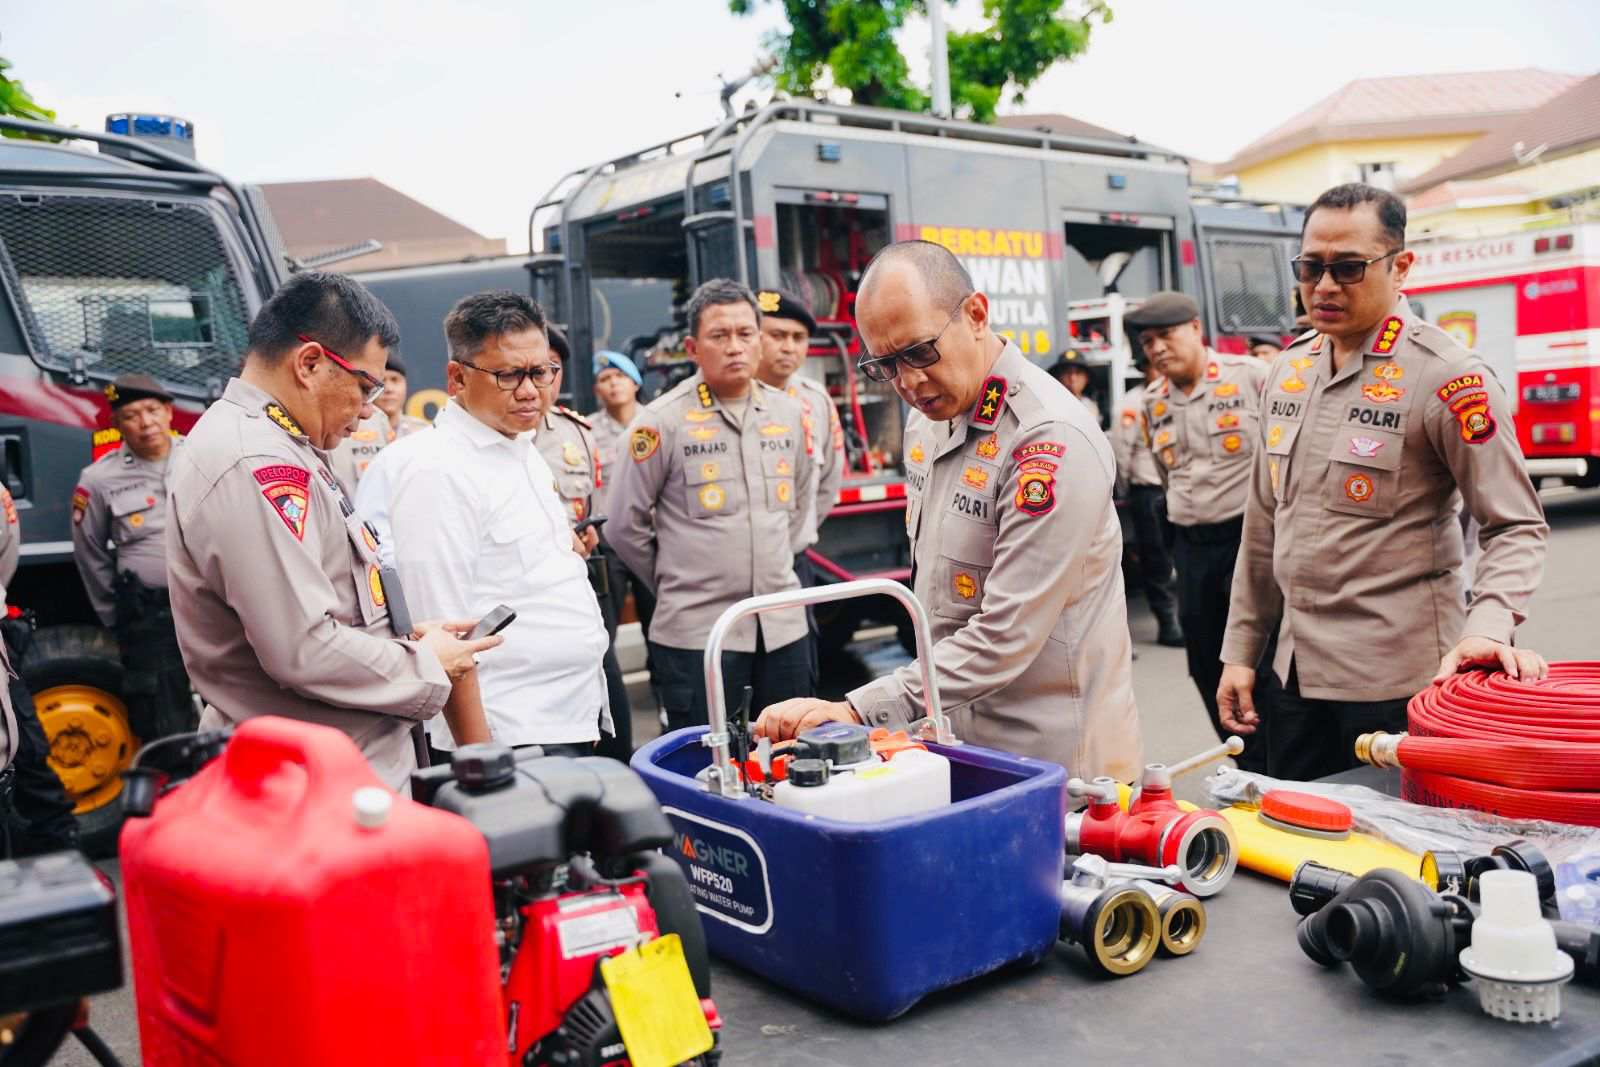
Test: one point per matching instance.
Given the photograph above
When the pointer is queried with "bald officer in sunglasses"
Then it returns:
(1378, 429)
(1016, 549)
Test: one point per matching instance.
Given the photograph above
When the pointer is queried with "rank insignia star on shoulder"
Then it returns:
(704, 392)
(1388, 335)
(284, 420)
(991, 398)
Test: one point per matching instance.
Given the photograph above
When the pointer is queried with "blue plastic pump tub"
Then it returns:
(867, 918)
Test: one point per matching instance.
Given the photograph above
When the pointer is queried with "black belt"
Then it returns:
(1213, 533)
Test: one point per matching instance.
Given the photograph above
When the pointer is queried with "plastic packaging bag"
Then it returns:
(1413, 827)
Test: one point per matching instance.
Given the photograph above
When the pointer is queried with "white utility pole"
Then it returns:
(939, 60)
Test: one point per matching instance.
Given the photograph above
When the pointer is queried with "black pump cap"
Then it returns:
(483, 766)
(806, 773)
(840, 743)
(1524, 855)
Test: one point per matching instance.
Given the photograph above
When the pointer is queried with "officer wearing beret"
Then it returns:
(392, 401)
(119, 526)
(1016, 548)
(1201, 421)
(1378, 430)
(786, 329)
(1140, 481)
(566, 441)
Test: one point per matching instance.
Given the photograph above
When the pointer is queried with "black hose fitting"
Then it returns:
(1401, 937)
(1314, 886)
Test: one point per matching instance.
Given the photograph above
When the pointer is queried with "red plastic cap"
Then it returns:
(1306, 810)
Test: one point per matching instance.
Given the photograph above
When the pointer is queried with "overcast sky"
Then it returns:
(477, 106)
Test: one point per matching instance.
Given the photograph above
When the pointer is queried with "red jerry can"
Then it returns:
(280, 911)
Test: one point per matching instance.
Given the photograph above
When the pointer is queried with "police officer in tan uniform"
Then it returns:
(1378, 429)
(350, 458)
(280, 604)
(786, 329)
(707, 508)
(1140, 482)
(392, 401)
(119, 527)
(566, 441)
(1016, 548)
(1201, 418)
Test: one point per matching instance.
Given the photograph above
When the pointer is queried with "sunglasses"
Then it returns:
(920, 355)
(1343, 271)
(511, 380)
(374, 386)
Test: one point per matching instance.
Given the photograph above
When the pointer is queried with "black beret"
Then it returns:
(396, 364)
(558, 343)
(780, 305)
(130, 387)
(1162, 310)
(1263, 339)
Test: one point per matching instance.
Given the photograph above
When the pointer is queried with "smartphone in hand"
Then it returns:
(497, 619)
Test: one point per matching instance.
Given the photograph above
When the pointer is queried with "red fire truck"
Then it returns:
(1529, 303)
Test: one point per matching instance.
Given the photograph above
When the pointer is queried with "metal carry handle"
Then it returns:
(723, 777)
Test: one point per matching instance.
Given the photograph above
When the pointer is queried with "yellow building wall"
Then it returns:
(1543, 180)
(1302, 175)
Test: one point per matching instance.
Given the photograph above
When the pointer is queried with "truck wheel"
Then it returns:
(75, 675)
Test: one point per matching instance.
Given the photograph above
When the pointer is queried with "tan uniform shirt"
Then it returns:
(1017, 554)
(350, 458)
(611, 448)
(404, 426)
(119, 523)
(1204, 439)
(568, 447)
(825, 444)
(276, 592)
(1136, 464)
(706, 508)
(10, 540)
(1352, 535)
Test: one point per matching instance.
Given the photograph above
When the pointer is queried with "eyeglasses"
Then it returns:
(511, 380)
(374, 386)
(1344, 271)
(920, 355)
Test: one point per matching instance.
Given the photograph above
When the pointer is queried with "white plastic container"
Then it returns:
(914, 781)
(1513, 957)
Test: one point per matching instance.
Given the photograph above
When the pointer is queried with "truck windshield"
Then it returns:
(121, 284)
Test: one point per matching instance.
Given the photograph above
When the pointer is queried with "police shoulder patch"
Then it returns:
(285, 488)
(643, 442)
(1460, 383)
(1038, 449)
(1036, 491)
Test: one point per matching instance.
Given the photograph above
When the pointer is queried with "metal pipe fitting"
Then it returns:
(1183, 918)
(1118, 926)
(1379, 748)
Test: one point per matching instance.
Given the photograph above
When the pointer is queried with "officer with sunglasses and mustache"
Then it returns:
(1016, 548)
(1378, 429)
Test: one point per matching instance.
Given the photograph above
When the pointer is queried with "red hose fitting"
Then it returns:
(1490, 742)
(1154, 830)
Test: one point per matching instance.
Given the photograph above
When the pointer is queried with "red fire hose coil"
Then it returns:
(1523, 750)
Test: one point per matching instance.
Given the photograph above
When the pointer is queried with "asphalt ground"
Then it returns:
(1562, 625)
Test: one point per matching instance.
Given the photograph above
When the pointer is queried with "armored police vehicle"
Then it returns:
(1064, 233)
(118, 253)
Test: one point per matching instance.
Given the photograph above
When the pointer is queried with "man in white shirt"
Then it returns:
(477, 522)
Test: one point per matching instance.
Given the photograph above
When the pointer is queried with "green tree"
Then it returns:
(14, 100)
(853, 41)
